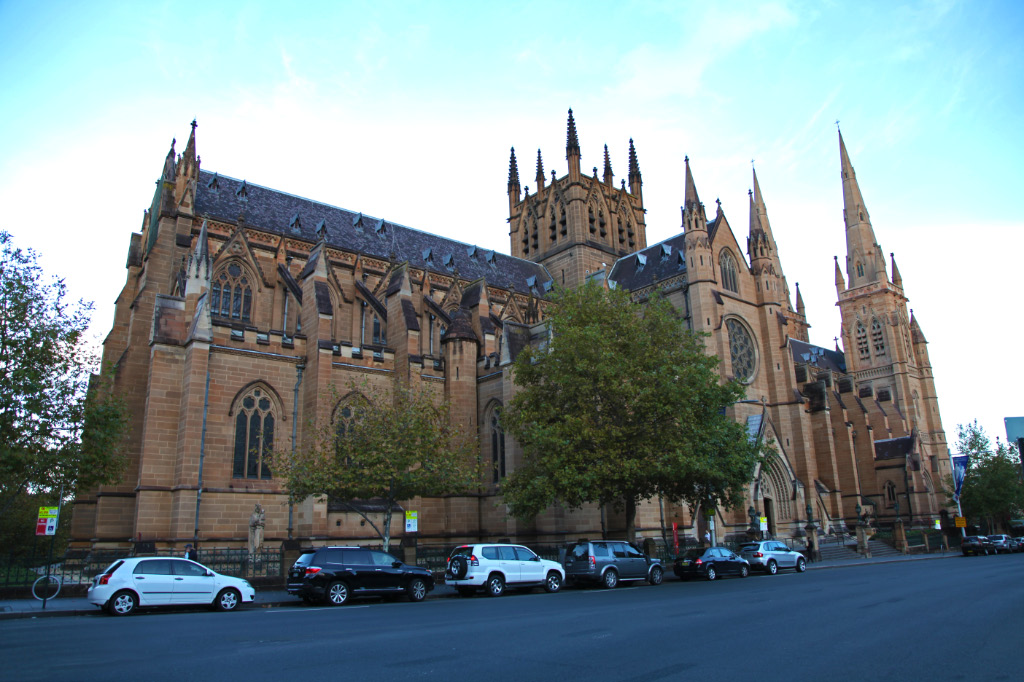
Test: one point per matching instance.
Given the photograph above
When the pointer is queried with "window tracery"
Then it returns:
(727, 265)
(741, 348)
(877, 337)
(254, 435)
(862, 342)
(231, 294)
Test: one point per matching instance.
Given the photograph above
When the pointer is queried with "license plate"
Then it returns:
(686, 562)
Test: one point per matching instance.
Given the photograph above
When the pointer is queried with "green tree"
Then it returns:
(622, 405)
(992, 491)
(61, 427)
(400, 444)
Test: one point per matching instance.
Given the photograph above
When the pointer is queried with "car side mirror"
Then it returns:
(396, 564)
(535, 558)
(209, 573)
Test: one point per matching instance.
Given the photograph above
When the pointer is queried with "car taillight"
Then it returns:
(473, 561)
(312, 570)
(757, 554)
(698, 562)
(593, 561)
(104, 579)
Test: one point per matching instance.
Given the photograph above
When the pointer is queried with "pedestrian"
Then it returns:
(707, 537)
(190, 552)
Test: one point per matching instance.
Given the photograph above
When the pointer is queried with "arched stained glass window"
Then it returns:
(254, 436)
(741, 348)
(231, 295)
(727, 265)
(877, 337)
(497, 447)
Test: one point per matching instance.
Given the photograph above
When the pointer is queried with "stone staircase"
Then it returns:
(833, 551)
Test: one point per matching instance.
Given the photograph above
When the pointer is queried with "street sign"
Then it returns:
(46, 524)
(764, 523)
(938, 524)
(412, 521)
(961, 522)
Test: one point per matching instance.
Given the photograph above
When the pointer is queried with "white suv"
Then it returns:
(495, 566)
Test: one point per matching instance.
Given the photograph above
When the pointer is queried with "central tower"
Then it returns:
(577, 224)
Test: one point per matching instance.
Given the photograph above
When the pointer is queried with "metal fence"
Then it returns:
(79, 568)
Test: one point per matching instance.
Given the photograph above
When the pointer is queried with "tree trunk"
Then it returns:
(630, 518)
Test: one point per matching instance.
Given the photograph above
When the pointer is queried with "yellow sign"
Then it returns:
(48, 512)
(961, 522)
(938, 524)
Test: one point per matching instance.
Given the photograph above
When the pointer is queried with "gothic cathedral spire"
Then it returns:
(513, 182)
(865, 263)
(572, 150)
(635, 182)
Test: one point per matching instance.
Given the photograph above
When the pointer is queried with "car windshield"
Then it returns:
(749, 547)
(693, 554)
(304, 559)
(580, 551)
(465, 550)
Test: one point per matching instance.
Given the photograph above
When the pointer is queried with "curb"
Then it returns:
(875, 562)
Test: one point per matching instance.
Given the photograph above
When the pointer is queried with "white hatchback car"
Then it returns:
(495, 566)
(128, 584)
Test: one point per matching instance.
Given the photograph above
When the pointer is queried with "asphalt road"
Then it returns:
(952, 619)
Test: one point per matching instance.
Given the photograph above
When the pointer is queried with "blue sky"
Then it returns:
(406, 111)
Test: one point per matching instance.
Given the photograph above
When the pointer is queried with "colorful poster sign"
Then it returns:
(412, 521)
(961, 521)
(46, 524)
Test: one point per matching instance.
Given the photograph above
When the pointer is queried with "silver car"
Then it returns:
(770, 555)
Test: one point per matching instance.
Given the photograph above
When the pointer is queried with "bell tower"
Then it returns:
(576, 224)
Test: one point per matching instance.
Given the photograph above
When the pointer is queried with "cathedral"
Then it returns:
(247, 311)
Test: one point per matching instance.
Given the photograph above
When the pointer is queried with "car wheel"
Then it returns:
(337, 593)
(655, 576)
(744, 571)
(711, 573)
(773, 567)
(465, 591)
(227, 600)
(553, 583)
(417, 590)
(801, 565)
(458, 567)
(495, 585)
(610, 578)
(122, 604)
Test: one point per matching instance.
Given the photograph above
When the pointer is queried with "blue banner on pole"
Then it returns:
(960, 464)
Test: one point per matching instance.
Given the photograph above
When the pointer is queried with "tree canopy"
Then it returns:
(61, 427)
(381, 449)
(623, 404)
(992, 492)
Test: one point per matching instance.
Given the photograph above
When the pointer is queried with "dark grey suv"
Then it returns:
(607, 562)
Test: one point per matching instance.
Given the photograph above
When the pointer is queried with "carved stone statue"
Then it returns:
(257, 521)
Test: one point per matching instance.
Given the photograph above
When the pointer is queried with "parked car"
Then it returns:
(138, 582)
(975, 544)
(710, 563)
(608, 562)
(334, 575)
(770, 556)
(1017, 544)
(1000, 544)
(493, 567)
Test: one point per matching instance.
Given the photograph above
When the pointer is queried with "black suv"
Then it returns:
(607, 562)
(976, 544)
(334, 574)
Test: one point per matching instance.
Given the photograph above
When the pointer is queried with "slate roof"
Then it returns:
(286, 214)
(894, 448)
(653, 264)
(818, 356)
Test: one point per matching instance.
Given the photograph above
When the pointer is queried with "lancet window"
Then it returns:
(231, 294)
(254, 435)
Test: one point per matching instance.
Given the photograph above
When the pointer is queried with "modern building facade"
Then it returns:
(247, 312)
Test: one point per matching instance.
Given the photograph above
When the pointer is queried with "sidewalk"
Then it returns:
(80, 606)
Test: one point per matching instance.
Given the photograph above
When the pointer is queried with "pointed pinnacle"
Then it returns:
(608, 175)
(572, 143)
(540, 169)
(513, 171)
(634, 165)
